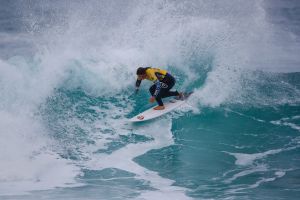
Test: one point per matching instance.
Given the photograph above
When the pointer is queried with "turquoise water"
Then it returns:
(67, 74)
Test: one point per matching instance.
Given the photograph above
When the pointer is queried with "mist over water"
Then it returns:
(67, 73)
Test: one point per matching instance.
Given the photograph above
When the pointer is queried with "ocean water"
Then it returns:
(67, 74)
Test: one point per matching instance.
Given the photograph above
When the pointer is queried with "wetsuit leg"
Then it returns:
(167, 83)
(165, 91)
(158, 97)
(152, 89)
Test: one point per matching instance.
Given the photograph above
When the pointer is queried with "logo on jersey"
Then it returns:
(163, 85)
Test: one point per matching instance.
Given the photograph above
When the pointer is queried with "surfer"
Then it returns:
(163, 82)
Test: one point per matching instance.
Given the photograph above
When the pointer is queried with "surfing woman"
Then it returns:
(163, 82)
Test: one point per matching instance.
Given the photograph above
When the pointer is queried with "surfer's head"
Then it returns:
(141, 72)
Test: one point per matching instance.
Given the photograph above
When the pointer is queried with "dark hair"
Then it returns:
(141, 70)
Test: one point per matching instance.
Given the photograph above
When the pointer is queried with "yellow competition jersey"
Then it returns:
(154, 74)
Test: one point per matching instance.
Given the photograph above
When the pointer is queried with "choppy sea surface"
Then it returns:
(67, 74)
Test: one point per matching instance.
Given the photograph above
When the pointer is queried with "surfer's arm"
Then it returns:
(137, 85)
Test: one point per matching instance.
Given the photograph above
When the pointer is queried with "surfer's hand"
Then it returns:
(152, 99)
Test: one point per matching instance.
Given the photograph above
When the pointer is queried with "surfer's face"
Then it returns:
(141, 77)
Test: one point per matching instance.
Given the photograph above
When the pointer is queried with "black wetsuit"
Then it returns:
(165, 85)
(163, 82)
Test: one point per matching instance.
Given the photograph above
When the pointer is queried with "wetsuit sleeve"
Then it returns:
(157, 89)
(138, 83)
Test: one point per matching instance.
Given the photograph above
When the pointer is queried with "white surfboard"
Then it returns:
(151, 113)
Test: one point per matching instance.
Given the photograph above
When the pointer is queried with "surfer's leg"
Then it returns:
(171, 94)
(158, 97)
(165, 92)
(152, 89)
(159, 101)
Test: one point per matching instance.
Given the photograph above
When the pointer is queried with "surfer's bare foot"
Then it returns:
(159, 108)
